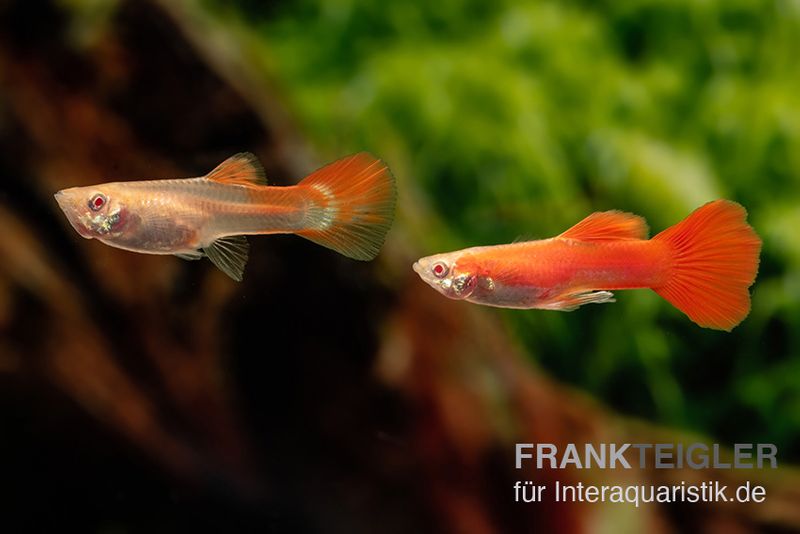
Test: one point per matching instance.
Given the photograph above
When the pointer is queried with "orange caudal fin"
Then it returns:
(353, 206)
(715, 261)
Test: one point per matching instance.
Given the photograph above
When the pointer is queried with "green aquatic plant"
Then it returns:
(518, 119)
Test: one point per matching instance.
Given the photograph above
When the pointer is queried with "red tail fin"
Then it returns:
(354, 206)
(715, 261)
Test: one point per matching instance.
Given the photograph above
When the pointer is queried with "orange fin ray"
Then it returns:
(608, 226)
(355, 208)
(716, 256)
(240, 169)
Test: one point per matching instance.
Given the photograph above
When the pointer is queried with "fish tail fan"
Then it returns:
(715, 261)
(352, 209)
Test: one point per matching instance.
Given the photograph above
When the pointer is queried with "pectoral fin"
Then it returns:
(572, 302)
(229, 254)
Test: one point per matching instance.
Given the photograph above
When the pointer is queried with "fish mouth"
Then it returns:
(421, 267)
(445, 285)
(63, 202)
(73, 216)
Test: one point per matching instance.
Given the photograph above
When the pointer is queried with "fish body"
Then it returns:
(536, 274)
(347, 206)
(184, 215)
(703, 265)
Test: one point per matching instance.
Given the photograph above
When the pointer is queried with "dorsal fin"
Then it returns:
(240, 169)
(608, 226)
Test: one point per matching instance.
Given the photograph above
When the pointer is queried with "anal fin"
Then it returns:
(230, 255)
(573, 301)
(193, 255)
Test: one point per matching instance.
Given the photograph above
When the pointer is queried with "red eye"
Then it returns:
(439, 269)
(97, 202)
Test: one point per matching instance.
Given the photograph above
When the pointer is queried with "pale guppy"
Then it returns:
(347, 206)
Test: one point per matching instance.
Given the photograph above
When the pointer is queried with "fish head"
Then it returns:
(449, 274)
(95, 212)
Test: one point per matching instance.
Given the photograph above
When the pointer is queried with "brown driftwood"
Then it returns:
(318, 395)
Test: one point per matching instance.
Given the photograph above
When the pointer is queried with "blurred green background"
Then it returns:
(146, 393)
(516, 119)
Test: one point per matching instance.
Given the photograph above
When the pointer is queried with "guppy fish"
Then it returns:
(703, 265)
(347, 206)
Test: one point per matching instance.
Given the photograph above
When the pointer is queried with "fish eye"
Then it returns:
(439, 269)
(97, 202)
